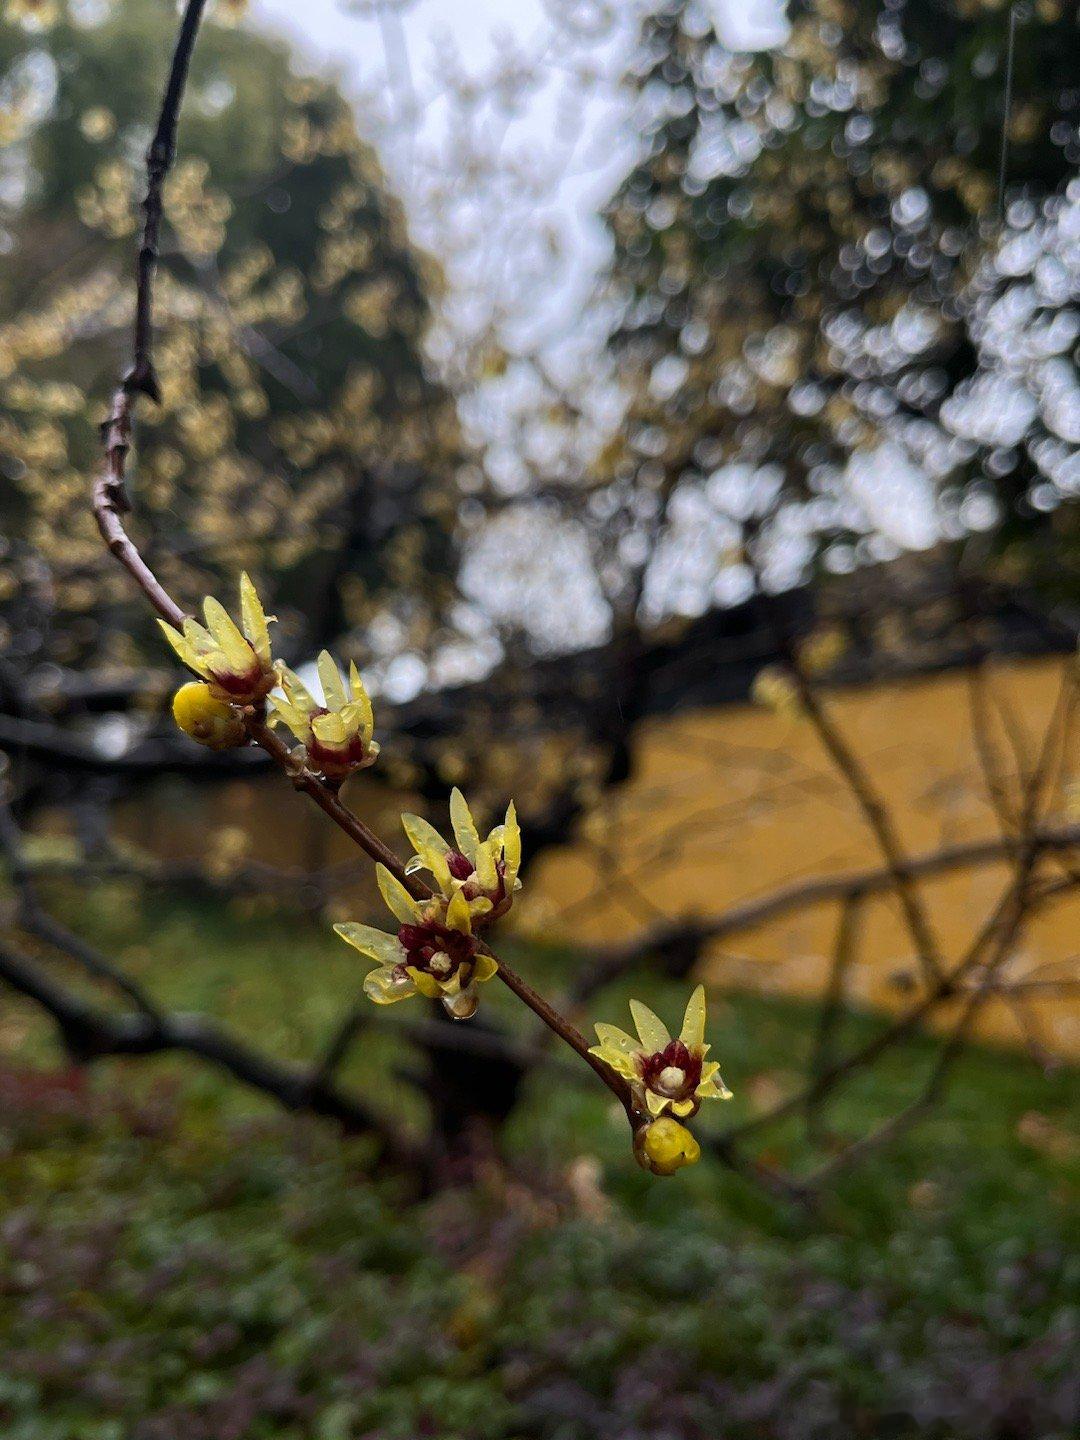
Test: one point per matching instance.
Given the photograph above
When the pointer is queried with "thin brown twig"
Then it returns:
(110, 502)
(875, 811)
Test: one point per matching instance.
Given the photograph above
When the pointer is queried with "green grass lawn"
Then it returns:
(179, 1260)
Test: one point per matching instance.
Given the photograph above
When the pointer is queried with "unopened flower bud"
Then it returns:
(200, 714)
(664, 1146)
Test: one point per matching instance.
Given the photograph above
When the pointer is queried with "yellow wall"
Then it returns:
(727, 804)
(724, 806)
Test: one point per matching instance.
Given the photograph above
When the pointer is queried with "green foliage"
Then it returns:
(177, 1262)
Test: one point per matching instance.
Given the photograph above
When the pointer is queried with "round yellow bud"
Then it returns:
(664, 1146)
(200, 714)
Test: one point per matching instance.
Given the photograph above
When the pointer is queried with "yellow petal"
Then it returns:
(457, 914)
(375, 944)
(465, 832)
(198, 637)
(511, 842)
(330, 679)
(329, 729)
(296, 692)
(427, 985)
(653, 1031)
(693, 1025)
(281, 712)
(619, 1040)
(184, 650)
(422, 835)
(486, 872)
(398, 900)
(384, 986)
(710, 1086)
(237, 651)
(253, 618)
(361, 698)
(486, 966)
(431, 850)
(657, 1104)
(615, 1060)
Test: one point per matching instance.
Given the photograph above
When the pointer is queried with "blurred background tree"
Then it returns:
(817, 286)
(818, 416)
(300, 432)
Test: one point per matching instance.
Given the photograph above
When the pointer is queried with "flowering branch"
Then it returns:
(110, 502)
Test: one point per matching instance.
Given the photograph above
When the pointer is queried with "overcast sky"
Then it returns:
(578, 149)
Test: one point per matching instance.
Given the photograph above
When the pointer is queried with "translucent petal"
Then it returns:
(398, 900)
(281, 712)
(611, 1035)
(361, 698)
(238, 653)
(486, 967)
(253, 618)
(653, 1031)
(657, 1103)
(184, 650)
(621, 1064)
(486, 872)
(457, 914)
(296, 692)
(511, 841)
(465, 831)
(427, 985)
(384, 986)
(197, 636)
(329, 729)
(375, 944)
(693, 1026)
(711, 1086)
(421, 835)
(330, 679)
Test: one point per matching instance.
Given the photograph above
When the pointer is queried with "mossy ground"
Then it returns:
(178, 1259)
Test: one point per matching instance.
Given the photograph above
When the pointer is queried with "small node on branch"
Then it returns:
(141, 379)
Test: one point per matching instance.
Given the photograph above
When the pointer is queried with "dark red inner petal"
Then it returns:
(677, 1056)
(236, 684)
(460, 865)
(422, 942)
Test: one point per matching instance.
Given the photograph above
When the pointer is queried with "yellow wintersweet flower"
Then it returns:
(336, 734)
(665, 1074)
(210, 721)
(236, 665)
(485, 872)
(664, 1146)
(434, 952)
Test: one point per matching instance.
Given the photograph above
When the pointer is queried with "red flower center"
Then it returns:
(422, 943)
(660, 1071)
